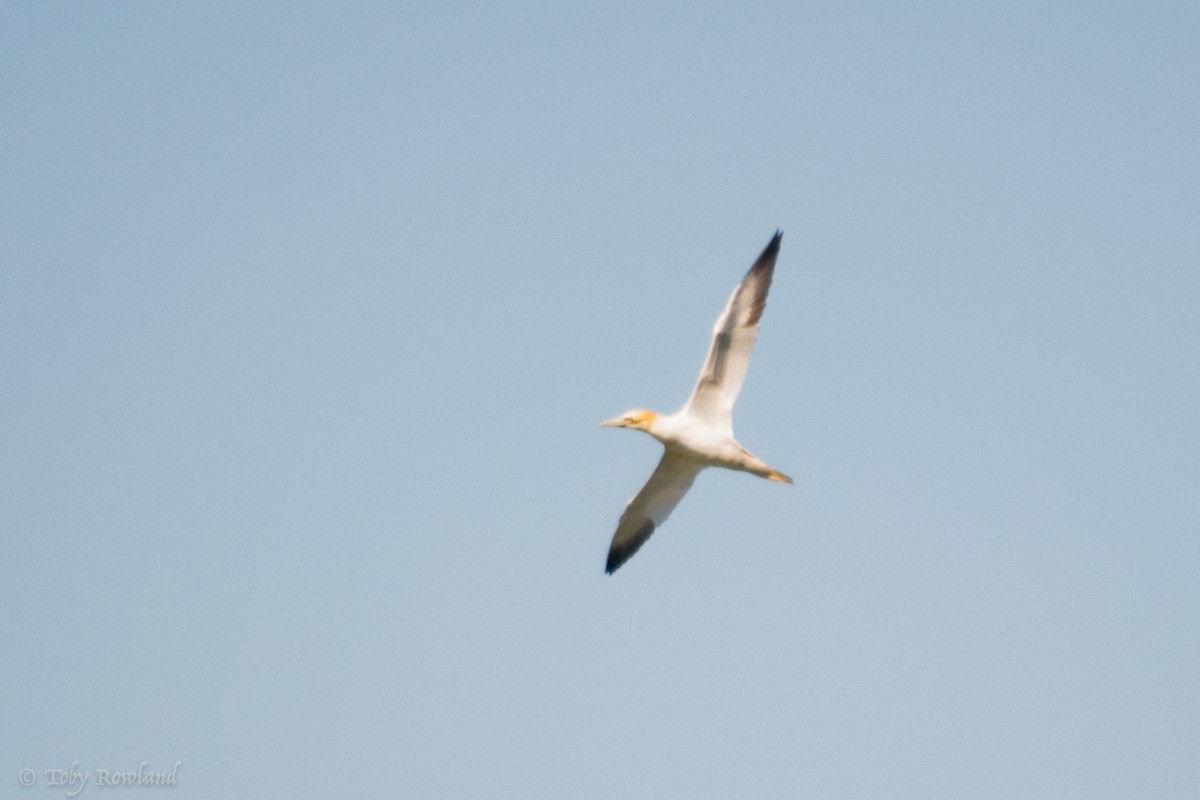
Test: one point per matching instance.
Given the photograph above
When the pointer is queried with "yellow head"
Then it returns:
(639, 419)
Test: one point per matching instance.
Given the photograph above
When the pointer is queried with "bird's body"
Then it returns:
(689, 436)
(700, 434)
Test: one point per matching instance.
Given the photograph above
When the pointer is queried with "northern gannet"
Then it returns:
(700, 434)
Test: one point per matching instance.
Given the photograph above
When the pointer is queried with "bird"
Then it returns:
(700, 434)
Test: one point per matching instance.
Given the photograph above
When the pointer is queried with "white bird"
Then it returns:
(700, 434)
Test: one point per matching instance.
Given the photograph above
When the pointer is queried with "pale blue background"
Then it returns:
(308, 317)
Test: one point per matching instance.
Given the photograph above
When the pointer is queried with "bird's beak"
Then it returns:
(615, 422)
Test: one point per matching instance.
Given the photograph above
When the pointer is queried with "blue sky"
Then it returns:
(308, 317)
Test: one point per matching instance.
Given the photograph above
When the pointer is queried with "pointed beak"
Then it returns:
(615, 422)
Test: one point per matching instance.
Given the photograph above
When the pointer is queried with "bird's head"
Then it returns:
(639, 419)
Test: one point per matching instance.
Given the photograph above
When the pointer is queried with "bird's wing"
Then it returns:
(733, 339)
(652, 505)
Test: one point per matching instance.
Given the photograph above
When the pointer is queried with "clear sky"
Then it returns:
(309, 315)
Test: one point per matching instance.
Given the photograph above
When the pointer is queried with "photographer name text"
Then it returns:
(74, 780)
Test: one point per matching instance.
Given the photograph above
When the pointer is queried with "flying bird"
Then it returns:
(700, 434)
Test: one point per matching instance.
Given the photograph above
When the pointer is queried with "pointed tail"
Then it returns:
(776, 475)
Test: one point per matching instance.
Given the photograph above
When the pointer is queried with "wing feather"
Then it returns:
(724, 369)
(651, 506)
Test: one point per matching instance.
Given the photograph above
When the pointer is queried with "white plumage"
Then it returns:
(700, 434)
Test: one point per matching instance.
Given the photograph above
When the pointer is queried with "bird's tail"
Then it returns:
(776, 475)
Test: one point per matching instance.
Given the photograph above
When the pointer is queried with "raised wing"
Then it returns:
(651, 507)
(734, 335)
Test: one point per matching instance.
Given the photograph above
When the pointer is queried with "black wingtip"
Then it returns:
(772, 249)
(615, 559)
(623, 549)
(766, 261)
